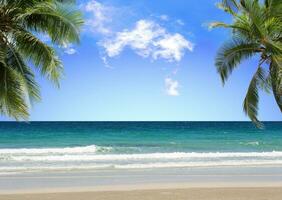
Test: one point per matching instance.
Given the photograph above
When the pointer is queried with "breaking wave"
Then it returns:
(98, 157)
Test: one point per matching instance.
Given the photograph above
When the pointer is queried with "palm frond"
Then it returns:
(26, 76)
(2, 54)
(30, 3)
(60, 21)
(243, 28)
(219, 24)
(266, 85)
(257, 16)
(273, 27)
(276, 79)
(19, 21)
(252, 97)
(274, 8)
(225, 25)
(12, 94)
(229, 6)
(42, 55)
(231, 54)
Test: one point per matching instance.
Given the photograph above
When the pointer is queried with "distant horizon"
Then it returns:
(136, 121)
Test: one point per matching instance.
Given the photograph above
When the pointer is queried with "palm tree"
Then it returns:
(256, 33)
(21, 51)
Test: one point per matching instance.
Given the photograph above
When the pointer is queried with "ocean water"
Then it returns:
(51, 146)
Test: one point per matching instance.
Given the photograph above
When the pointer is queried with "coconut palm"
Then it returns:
(22, 51)
(256, 33)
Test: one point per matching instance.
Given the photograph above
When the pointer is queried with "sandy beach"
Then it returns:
(242, 193)
(226, 183)
(141, 165)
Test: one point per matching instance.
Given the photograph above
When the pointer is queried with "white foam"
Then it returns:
(198, 164)
(34, 159)
(7, 170)
(87, 155)
(253, 143)
(66, 150)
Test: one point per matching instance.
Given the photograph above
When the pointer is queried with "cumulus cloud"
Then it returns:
(99, 17)
(149, 39)
(139, 39)
(172, 87)
(172, 47)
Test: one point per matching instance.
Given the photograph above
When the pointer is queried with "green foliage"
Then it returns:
(21, 51)
(252, 96)
(232, 53)
(256, 32)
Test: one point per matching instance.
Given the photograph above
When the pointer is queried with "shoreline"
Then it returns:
(128, 180)
(228, 183)
(147, 187)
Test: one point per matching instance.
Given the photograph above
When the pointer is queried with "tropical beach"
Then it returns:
(134, 160)
(140, 100)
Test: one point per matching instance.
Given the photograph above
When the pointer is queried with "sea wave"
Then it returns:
(64, 150)
(252, 143)
(17, 169)
(92, 153)
(99, 157)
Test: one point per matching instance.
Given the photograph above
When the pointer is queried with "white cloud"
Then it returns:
(140, 39)
(172, 87)
(149, 39)
(106, 63)
(70, 51)
(164, 17)
(99, 17)
(172, 47)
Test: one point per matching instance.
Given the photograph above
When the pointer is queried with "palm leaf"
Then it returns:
(252, 97)
(12, 94)
(274, 8)
(15, 62)
(60, 21)
(231, 54)
(2, 55)
(23, 4)
(42, 55)
(257, 17)
(276, 78)
(229, 6)
(19, 20)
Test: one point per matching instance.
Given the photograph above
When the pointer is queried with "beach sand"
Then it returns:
(244, 193)
(225, 183)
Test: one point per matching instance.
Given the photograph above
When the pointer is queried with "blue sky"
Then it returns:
(148, 60)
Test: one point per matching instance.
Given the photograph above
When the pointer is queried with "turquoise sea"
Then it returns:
(43, 146)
